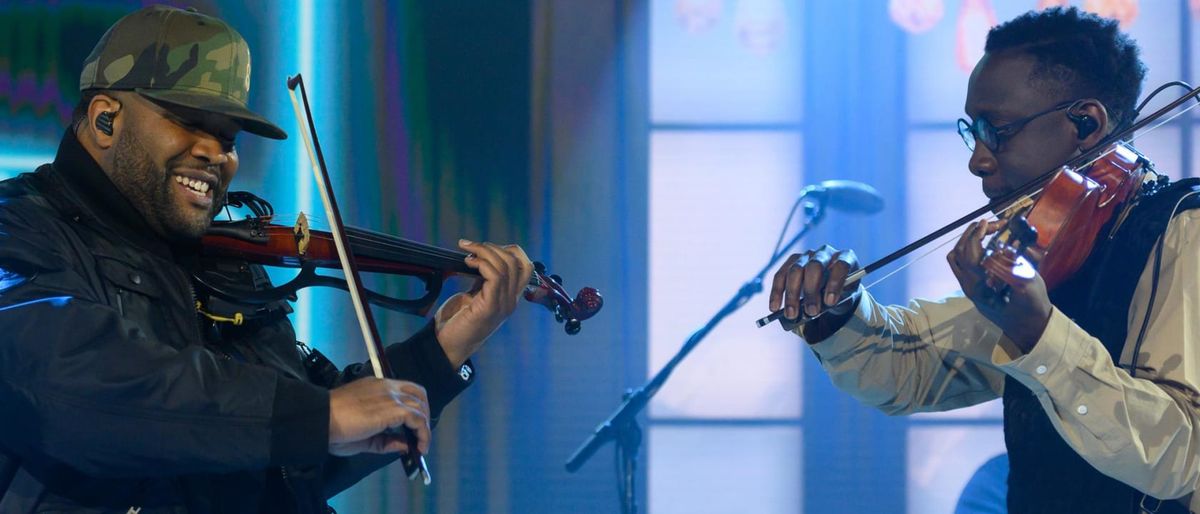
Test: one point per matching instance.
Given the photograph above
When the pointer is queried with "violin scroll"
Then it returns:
(571, 311)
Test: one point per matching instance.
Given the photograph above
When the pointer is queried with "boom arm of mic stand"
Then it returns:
(627, 412)
(609, 429)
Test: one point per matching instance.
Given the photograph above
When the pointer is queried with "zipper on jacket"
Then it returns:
(287, 482)
(197, 330)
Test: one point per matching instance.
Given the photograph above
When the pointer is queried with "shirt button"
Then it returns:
(1082, 409)
(135, 278)
(1041, 370)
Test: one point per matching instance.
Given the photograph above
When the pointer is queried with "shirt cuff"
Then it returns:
(850, 335)
(1055, 353)
(299, 424)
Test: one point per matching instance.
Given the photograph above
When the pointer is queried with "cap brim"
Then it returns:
(251, 122)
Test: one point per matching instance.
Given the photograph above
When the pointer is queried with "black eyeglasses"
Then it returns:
(991, 137)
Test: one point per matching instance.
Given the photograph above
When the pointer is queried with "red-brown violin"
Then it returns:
(1057, 228)
(260, 241)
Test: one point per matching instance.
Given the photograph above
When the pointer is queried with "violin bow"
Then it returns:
(414, 462)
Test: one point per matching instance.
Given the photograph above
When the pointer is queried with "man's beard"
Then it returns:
(149, 187)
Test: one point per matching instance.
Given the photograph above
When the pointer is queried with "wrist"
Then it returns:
(1026, 335)
(457, 352)
(821, 328)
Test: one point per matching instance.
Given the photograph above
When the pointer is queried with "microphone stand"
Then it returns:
(622, 426)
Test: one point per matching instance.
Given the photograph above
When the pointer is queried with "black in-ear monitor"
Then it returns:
(104, 122)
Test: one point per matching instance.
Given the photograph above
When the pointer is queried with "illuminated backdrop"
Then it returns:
(649, 148)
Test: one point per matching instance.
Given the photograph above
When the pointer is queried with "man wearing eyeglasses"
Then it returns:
(1091, 425)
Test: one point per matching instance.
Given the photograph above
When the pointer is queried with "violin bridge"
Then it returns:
(1130, 204)
(303, 237)
(1019, 207)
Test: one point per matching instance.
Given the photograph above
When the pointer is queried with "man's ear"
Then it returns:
(1091, 121)
(103, 121)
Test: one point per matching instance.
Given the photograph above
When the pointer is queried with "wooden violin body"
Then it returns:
(1058, 228)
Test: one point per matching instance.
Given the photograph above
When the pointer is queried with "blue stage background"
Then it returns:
(651, 149)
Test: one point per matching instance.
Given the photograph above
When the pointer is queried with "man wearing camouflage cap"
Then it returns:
(119, 392)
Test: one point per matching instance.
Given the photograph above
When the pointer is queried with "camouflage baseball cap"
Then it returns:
(178, 57)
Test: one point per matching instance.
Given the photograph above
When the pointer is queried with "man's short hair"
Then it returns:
(1078, 54)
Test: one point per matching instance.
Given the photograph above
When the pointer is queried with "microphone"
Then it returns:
(846, 195)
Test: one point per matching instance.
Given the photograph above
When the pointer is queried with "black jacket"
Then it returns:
(115, 394)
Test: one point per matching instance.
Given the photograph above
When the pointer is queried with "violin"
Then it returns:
(258, 240)
(1056, 230)
(1053, 221)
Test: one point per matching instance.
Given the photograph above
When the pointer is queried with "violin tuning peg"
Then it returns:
(557, 279)
(572, 327)
(539, 267)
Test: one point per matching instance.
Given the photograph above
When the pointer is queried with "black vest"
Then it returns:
(1045, 474)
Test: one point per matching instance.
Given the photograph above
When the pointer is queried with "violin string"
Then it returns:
(378, 241)
(906, 265)
(384, 243)
(949, 238)
(1173, 117)
(1134, 137)
(388, 241)
(399, 247)
(1165, 120)
(387, 244)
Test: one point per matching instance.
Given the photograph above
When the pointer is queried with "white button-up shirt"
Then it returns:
(942, 355)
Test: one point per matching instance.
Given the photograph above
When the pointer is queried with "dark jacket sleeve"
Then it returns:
(81, 386)
(419, 359)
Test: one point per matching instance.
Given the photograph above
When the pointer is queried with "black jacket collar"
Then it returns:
(101, 199)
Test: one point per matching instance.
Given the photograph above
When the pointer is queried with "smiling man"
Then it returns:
(176, 184)
(120, 390)
(1100, 392)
